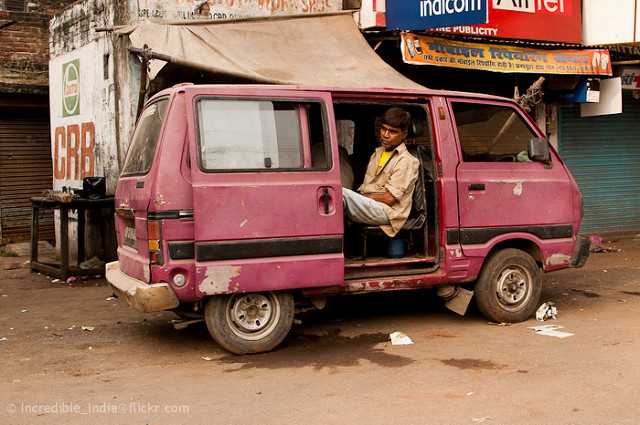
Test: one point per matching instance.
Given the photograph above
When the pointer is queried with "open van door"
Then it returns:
(266, 190)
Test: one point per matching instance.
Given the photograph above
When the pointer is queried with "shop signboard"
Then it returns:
(607, 22)
(424, 50)
(177, 10)
(630, 78)
(543, 20)
(426, 14)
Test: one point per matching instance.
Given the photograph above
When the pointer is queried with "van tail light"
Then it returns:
(154, 236)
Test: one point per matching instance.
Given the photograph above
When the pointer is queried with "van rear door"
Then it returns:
(134, 191)
(266, 191)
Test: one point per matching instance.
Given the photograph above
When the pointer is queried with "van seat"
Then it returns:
(418, 216)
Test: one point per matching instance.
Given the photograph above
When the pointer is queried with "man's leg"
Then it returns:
(361, 209)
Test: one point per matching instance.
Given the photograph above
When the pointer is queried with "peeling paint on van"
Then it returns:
(558, 259)
(217, 280)
(159, 201)
(146, 273)
(518, 189)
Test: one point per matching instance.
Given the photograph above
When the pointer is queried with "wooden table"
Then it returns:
(64, 270)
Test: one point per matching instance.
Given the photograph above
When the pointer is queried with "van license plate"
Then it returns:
(130, 237)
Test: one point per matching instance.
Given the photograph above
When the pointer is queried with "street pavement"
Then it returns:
(337, 366)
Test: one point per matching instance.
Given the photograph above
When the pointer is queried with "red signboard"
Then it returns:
(542, 20)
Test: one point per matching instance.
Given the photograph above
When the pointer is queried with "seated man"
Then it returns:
(387, 191)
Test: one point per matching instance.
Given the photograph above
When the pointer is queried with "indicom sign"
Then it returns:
(425, 14)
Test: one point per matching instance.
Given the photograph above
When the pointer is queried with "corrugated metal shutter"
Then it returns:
(603, 153)
(25, 171)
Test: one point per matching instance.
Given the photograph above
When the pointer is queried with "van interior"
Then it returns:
(368, 251)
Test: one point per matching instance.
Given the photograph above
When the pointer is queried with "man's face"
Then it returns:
(390, 137)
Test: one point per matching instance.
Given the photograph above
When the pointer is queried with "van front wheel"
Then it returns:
(509, 287)
(250, 323)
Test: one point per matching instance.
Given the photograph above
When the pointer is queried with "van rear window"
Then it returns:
(145, 139)
(250, 134)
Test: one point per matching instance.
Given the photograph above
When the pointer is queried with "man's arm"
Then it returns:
(385, 197)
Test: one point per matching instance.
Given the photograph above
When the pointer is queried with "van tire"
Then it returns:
(509, 287)
(250, 323)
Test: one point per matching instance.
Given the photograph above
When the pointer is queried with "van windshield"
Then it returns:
(145, 139)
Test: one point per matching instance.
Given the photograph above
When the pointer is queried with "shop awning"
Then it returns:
(321, 50)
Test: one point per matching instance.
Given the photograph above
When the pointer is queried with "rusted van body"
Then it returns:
(230, 205)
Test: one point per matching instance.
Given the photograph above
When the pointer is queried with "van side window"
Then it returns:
(145, 139)
(491, 133)
(254, 134)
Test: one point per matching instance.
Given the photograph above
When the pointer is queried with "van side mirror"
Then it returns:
(539, 150)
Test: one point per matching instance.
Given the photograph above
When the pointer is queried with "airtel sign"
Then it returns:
(542, 20)
(532, 6)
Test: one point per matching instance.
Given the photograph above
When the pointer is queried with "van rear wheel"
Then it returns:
(509, 287)
(250, 323)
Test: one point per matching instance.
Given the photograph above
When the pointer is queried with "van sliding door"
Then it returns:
(266, 190)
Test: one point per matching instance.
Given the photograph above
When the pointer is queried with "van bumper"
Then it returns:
(581, 252)
(139, 295)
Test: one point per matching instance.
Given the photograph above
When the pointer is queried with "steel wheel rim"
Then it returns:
(514, 287)
(253, 316)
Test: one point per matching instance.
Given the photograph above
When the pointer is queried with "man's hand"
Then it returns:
(385, 197)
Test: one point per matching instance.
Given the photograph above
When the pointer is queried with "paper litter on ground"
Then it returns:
(551, 330)
(547, 311)
(398, 338)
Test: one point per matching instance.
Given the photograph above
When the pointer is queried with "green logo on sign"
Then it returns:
(71, 88)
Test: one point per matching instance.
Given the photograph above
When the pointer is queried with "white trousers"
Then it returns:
(361, 209)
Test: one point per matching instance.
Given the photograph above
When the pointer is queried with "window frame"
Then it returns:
(160, 136)
(535, 132)
(305, 138)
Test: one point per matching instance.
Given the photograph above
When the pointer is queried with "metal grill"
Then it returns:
(25, 171)
(603, 153)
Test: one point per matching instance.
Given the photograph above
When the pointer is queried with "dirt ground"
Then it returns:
(337, 366)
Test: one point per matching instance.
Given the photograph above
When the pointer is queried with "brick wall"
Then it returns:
(24, 38)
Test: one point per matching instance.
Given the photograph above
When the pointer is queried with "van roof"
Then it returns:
(373, 90)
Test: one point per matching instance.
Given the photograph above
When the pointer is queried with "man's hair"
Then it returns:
(398, 118)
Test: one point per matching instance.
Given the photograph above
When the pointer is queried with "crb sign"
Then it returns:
(426, 14)
(74, 151)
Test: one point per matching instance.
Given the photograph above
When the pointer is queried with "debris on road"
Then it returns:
(184, 324)
(88, 328)
(24, 310)
(502, 324)
(551, 330)
(595, 240)
(56, 281)
(207, 358)
(110, 298)
(72, 327)
(4, 295)
(481, 420)
(398, 338)
(547, 311)
(4, 338)
(597, 245)
(72, 279)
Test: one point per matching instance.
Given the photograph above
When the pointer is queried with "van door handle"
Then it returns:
(325, 198)
(476, 186)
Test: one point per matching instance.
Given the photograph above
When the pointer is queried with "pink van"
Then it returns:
(229, 206)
